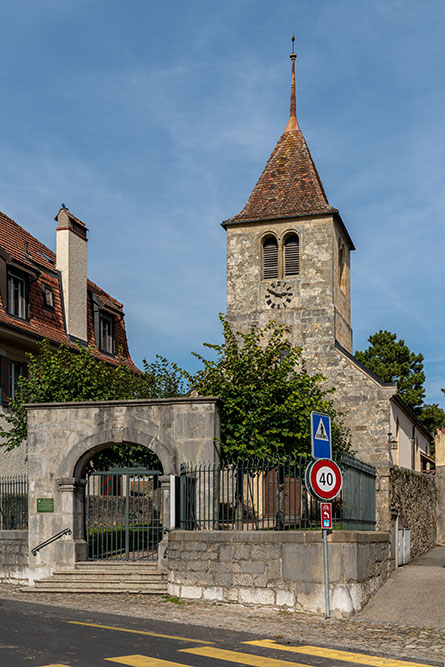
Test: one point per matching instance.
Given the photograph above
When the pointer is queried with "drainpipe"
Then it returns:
(413, 448)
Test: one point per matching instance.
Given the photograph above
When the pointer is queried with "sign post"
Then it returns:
(324, 481)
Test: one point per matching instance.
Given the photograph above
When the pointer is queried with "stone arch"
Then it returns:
(77, 458)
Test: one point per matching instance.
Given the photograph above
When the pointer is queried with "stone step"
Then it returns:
(140, 590)
(92, 577)
(105, 577)
(115, 567)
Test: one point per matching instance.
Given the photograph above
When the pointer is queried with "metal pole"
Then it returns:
(326, 572)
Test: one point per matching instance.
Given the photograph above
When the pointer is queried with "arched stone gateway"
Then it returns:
(62, 438)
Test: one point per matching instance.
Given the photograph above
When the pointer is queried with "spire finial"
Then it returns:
(292, 123)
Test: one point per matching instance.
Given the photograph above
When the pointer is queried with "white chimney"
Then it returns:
(71, 261)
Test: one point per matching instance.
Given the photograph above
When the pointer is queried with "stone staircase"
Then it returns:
(94, 577)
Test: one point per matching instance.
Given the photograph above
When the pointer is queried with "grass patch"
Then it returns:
(173, 599)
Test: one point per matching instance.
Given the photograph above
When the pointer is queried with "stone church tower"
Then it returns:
(288, 251)
(288, 259)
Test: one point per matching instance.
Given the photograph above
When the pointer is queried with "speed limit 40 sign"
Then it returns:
(324, 479)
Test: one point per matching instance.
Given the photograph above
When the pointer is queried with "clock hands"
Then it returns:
(277, 294)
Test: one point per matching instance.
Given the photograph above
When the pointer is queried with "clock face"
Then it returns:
(278, 294)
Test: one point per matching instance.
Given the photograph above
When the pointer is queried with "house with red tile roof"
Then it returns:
(47, 295)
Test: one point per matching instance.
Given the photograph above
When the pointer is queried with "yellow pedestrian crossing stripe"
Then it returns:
(240, 658)
(144, 661)
(252, 660)
(138, 632)
(346, 656)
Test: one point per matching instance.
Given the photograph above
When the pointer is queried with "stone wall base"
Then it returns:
(14, 556)
(279, 570)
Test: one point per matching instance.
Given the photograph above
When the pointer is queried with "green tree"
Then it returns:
(62, 375)
(432, 416)
(267, 394)
(393, 361)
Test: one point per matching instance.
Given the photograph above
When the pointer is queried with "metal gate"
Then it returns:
(123, 514)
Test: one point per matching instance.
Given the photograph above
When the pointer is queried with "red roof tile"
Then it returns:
(289, 185)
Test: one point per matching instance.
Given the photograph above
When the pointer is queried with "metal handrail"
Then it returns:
(65, 531)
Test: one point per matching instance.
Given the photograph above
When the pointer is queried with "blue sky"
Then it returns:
(152, 122)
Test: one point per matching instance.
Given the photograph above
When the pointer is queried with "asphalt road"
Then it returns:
(43, 636)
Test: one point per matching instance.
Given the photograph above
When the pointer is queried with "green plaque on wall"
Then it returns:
(45, 504)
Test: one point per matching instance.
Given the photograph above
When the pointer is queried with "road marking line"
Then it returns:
(240, 658)
(58, 665)
(345, 656)
(140, 632)
(144, 661)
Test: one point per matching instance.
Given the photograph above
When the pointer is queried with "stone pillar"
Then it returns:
(383, 499)
(440, 485)
(166, 527)
(73, 508)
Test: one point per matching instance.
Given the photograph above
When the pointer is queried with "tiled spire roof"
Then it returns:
(289, 185)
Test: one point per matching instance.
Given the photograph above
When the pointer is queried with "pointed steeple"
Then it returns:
(292, 123)
(289, 185)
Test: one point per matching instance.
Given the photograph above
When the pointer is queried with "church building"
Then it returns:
(288, 259)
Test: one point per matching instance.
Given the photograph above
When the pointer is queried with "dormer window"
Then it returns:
(48, 297)
(270, 257)
(106, 333)
(17, 294)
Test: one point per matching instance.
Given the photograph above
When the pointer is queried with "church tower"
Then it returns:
(288, 251)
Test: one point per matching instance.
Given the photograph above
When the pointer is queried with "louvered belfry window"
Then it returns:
(270, 258)
(292, 256)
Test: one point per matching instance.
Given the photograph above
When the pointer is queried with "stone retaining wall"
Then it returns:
(278, 569)
(413, 498)
(14, 556)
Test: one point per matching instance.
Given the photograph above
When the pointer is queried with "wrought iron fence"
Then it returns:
(14, 503)
(270, 495)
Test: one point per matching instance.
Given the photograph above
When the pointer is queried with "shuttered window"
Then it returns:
(17, 295)
(4, 381)
(292, 256)
(10, 371)
(270, 258)
(106, 333)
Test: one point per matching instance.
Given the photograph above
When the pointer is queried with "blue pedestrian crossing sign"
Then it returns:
(321, 444)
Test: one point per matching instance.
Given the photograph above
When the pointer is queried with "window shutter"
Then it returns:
(270, 258)
(292, 256)
(3, 282)
(4, 380)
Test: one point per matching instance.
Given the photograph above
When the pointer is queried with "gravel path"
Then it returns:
(381, 639)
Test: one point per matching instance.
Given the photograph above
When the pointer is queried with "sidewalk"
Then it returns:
(414, 595)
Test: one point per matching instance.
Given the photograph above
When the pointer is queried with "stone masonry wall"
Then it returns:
(282, 569)
(413, 497)
(14, 556)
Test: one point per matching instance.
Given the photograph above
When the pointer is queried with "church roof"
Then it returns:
(289, 185)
